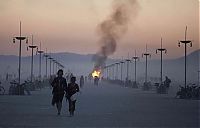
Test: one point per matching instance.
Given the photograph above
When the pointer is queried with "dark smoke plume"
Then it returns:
(113, 28)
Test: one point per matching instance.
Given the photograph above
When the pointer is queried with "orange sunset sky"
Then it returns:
(71, 25)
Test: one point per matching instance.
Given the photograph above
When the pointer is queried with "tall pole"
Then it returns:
(135, 58)
(146, 60)
(117, 70)
(20, 38)
(53, 66)
(46, 56)
(32, 48)
(198, 78)
(122, 62)
(20, 49)
(110, 74)
(56, 66)
(54, 62)
(50, 59)
(185, 42)
(127, 72)
(107, 67)
(161, 50)
(113, 71)
(40, 61)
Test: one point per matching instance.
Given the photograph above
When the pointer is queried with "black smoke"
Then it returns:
(113, 28)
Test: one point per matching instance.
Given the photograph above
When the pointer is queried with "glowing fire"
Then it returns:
(96, 73)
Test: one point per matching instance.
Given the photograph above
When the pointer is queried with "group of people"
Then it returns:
(61, 89)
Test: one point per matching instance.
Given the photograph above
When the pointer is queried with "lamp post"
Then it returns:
(146, 54)
(107, 72)
(46, 57)
(117, 70)
(50, 59)
(161, 50)
(198, 77)
(185, 42)
(127, 72)
(40, 60)
(20, 38)
(135, 58)
(122, 62)
(54, 62)
(32, 48)
(113, 71)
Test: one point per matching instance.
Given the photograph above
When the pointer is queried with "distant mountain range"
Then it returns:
(83, 65)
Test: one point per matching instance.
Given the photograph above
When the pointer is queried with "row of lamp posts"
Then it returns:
(146, 55)
(40, 52)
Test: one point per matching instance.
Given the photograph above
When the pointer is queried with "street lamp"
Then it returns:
(127, 75)
(109, 72)
(146, 54)
(117, 70)
(113, 71)
(185, 42)
(135, 58)
(32, 48)
(198, 77)
(46, 56)
(40, 60)
(121, 62)
(54, 62)
(161, 50)
(20, 38)
(50, 59)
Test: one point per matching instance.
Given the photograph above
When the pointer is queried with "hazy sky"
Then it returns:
(71, 25)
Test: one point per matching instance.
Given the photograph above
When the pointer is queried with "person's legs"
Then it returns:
(73, 106)
(59, 106)
(70, 106)
(59, 103)
(54, 99)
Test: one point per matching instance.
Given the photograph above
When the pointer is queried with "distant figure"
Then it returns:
(85, 78)
(167, 82)
(96, 80)
(26, 88)
(90, 77)
(59, 85)
(81, 81)
(71, 95)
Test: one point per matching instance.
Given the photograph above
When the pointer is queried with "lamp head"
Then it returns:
(190, 44)
(26, 40)
(179, 44)
(13, 40)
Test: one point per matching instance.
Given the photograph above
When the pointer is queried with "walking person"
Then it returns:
(59, 85)
(71, 95)
(81, 81)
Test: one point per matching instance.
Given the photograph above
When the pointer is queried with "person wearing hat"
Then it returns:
(59, 85)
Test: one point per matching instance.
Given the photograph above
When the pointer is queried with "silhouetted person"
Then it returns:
(59, 85)
(167, 82)
(85, 78)
(72, 90)
(96, 80)
(81, 81)
(26, 88)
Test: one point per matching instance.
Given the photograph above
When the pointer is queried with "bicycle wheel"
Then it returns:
(2, 90)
